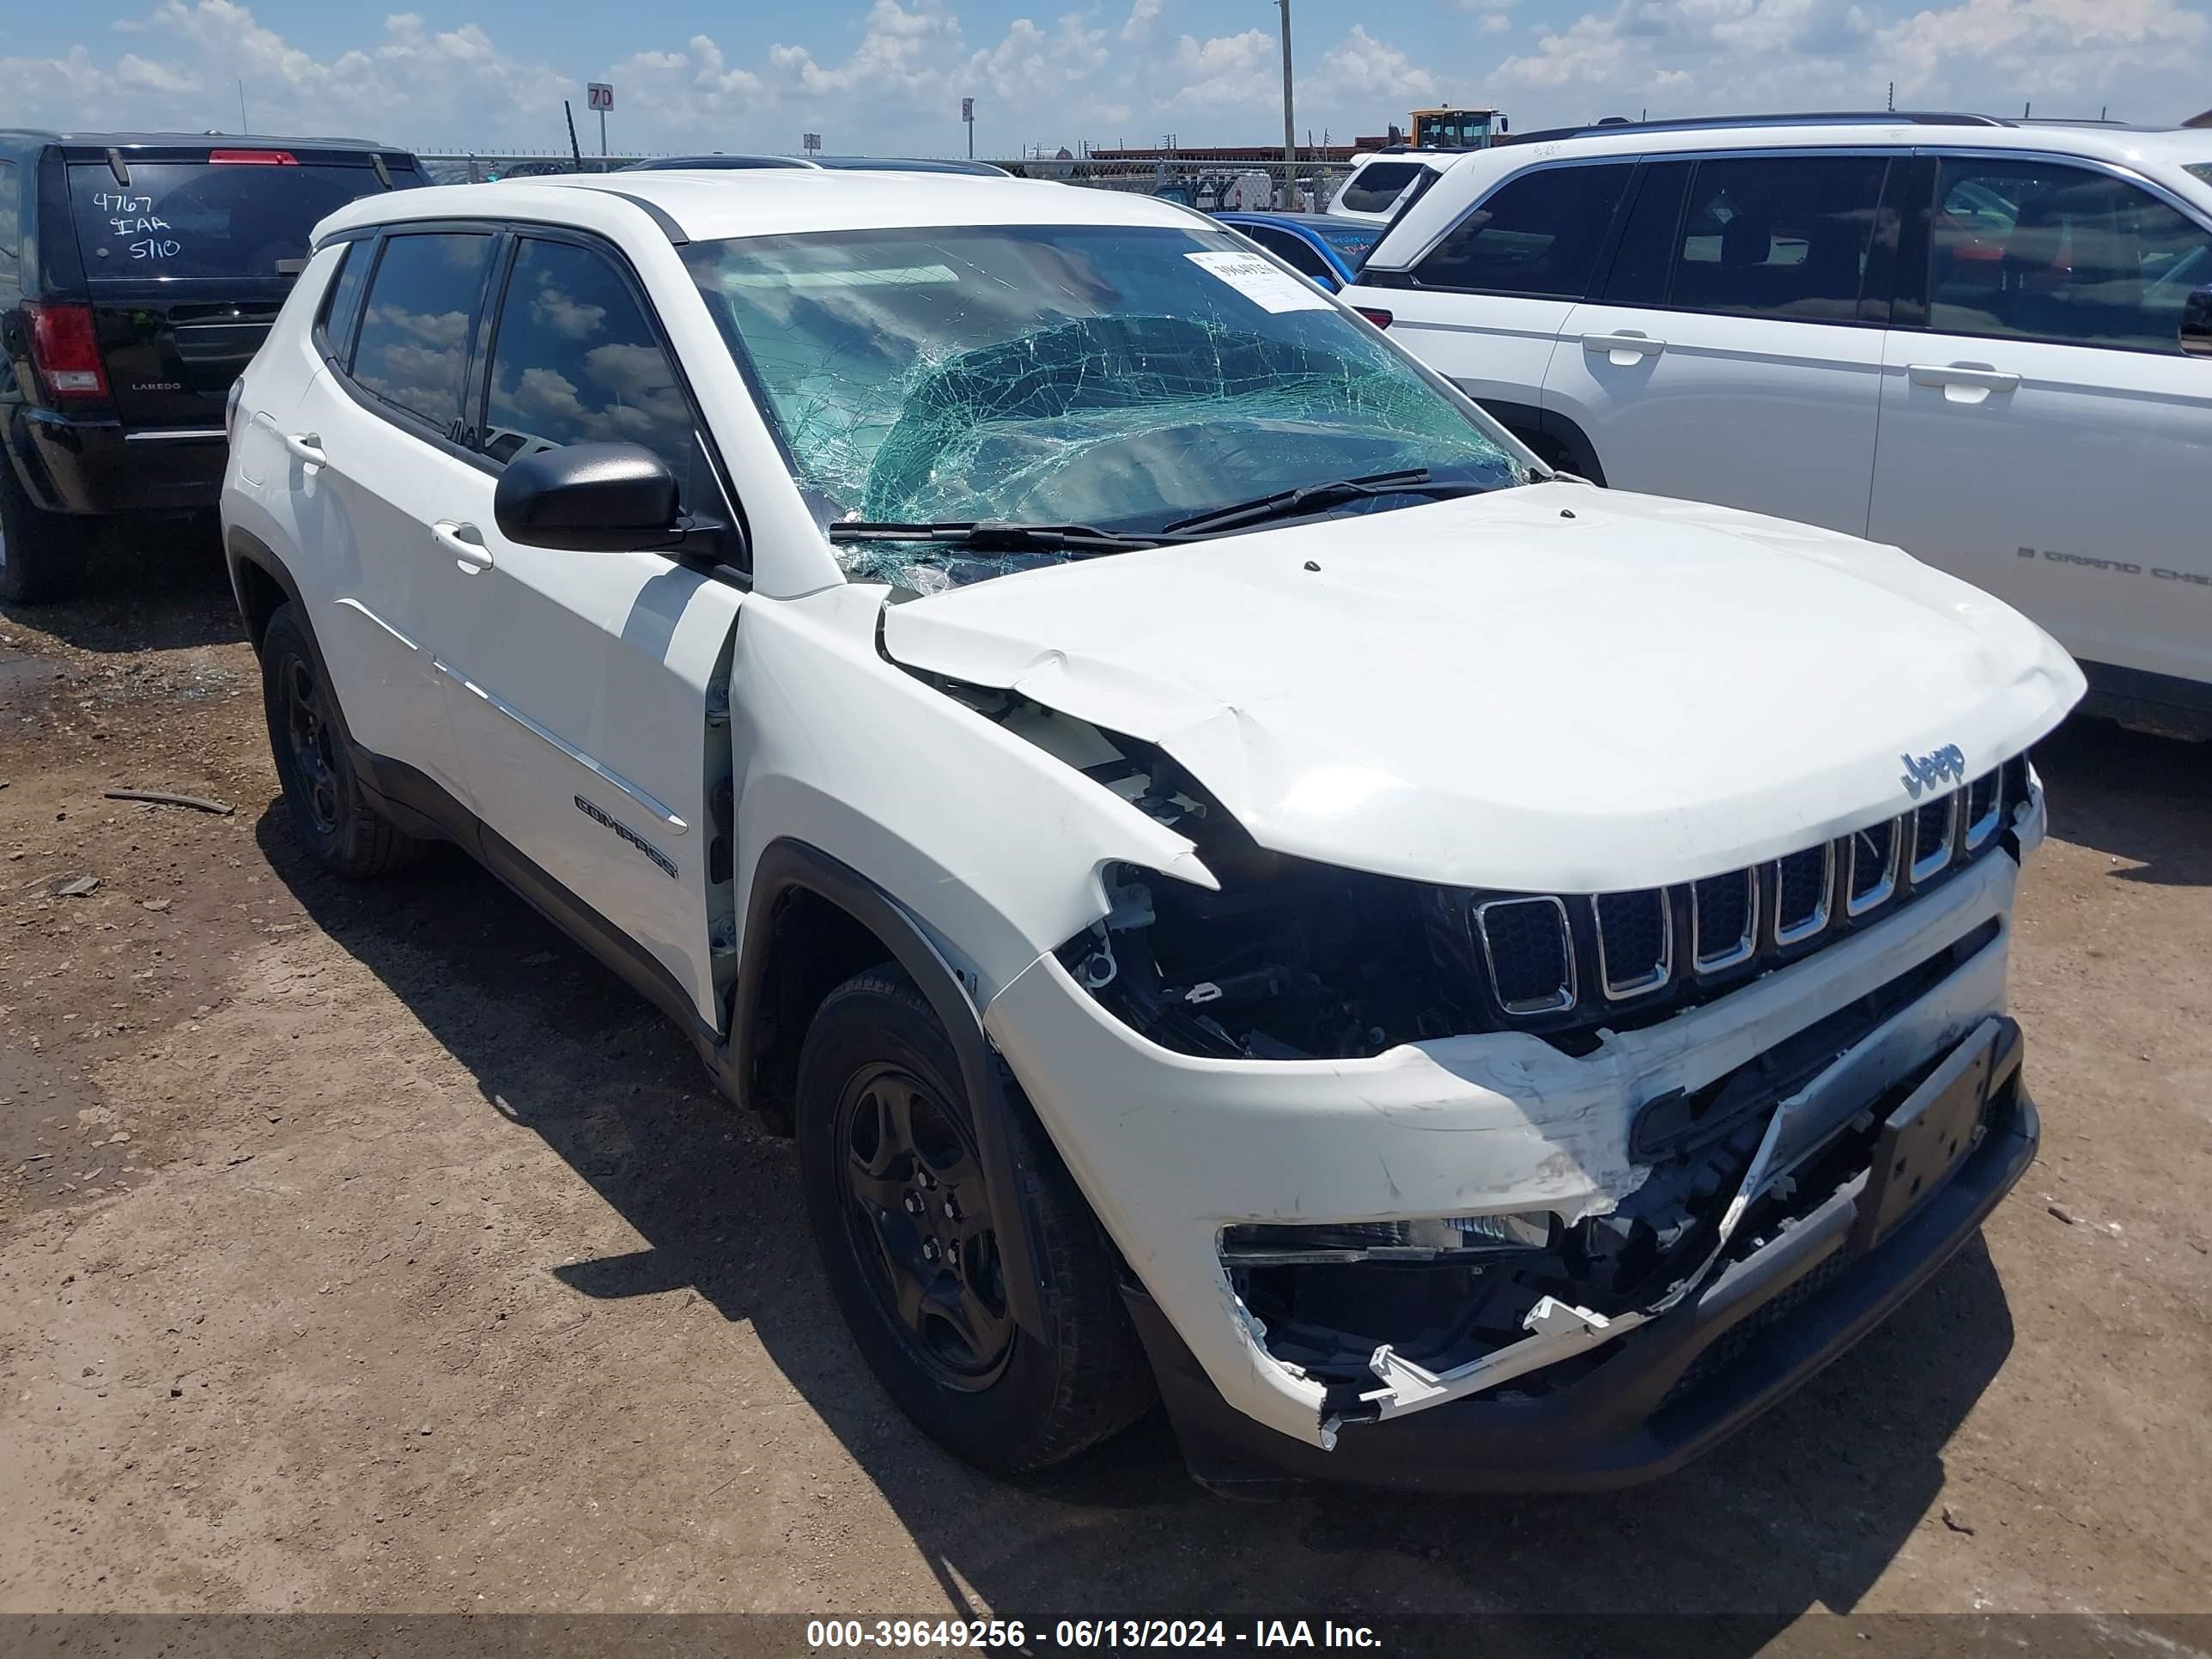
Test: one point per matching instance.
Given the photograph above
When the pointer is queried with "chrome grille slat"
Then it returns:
(1522, 939)
(1874, 852)
(1793, 924)
(1635, 943)
(1935, 828)
(1985, 808)
(1722, 945)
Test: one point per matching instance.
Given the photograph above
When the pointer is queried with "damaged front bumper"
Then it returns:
(1665, 1393)
(1173, 1149)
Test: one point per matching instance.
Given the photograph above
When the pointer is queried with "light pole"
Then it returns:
(1290, 126)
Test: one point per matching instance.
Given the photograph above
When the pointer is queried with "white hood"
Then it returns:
(1490, 692)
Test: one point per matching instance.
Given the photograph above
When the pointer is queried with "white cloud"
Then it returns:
(1101, 70)
(1228, 71)
(2143, 56)
(1361, 68)
(1030, 61)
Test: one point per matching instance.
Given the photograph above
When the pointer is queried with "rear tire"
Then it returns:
(895, 1190)
(41, 553)
(331, 816)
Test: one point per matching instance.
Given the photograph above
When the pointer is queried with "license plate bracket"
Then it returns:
(1927, 1136)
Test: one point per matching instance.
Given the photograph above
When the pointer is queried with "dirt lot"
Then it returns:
(370, 1248)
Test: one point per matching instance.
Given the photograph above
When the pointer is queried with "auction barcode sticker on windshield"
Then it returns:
(1267, 286)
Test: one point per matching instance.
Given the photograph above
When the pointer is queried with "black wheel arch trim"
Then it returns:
(1525, 420)
(787, 866)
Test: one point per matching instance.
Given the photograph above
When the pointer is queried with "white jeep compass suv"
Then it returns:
(1988, 341)
(1243, 883)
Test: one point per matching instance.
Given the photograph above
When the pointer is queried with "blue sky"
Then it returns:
(887, 76)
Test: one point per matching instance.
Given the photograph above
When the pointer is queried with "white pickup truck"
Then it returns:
(1243, 883)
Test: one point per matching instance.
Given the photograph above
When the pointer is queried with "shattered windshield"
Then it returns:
(1118, 377)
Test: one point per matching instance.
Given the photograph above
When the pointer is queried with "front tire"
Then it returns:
(41, 553)
(333, 819)
(906, 1226)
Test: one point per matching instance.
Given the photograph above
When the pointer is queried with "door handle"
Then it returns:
(1623, 350)
(464, 542)
(1962, 375)
(307, 448)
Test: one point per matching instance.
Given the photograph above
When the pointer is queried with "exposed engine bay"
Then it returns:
(1290, 960)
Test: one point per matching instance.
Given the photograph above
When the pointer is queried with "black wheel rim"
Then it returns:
(307, 735)
(913, 1194)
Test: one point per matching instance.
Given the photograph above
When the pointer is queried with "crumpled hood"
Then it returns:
(1548, 688)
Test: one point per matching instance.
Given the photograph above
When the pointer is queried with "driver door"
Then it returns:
(580, 681)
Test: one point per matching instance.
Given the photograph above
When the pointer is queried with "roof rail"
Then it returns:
(1807, 118)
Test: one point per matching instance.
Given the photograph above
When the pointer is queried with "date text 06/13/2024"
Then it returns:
(831, 1634)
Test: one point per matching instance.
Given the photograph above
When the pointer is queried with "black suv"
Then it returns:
(138, 273)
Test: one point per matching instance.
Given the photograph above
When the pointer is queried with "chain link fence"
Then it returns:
(1210, 186)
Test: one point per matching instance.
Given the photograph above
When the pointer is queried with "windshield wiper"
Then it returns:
(997, 535)
(1312, 498)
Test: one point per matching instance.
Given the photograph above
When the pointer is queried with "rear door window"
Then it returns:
(200, 219)
(1783, 236)
(1537, 235)
(413, 350)
(2035, 250)
(1646, 254)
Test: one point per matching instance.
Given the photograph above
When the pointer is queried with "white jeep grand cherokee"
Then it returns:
(1243, 882)
(1988, 341)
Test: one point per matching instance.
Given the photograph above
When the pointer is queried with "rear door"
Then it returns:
(372, 450)
(580, 682)
(2043, 435)
(188, 255)
(1485, 307)
(1734, 352)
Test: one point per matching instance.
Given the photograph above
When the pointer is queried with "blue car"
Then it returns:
(1328, 250)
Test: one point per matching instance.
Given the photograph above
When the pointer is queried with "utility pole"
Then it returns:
(1290, 126)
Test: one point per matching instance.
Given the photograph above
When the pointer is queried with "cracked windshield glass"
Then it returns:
(1120, 378)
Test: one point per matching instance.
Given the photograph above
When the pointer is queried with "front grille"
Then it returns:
(1657, 947)
(1729, 1347)
(1530, 953)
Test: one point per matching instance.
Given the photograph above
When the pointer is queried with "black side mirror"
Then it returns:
(596, 498)
(2197, 324)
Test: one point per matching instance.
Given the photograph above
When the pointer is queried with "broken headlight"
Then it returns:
(1453, 1238)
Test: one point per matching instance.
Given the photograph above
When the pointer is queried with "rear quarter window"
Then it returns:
(1376, 187)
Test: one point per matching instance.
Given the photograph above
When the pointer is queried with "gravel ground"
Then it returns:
(369, 1249)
